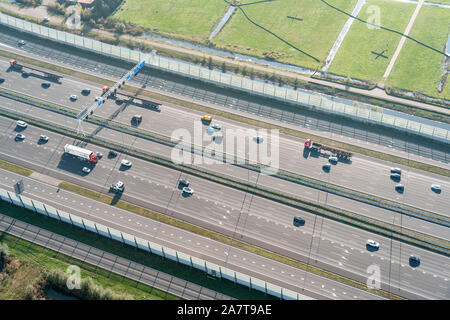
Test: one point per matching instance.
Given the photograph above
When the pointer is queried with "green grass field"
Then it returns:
(418, 68)
(188, 19)
(354, 57)
(34, 260)
(315, 34)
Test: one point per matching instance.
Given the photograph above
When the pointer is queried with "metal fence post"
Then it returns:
(176, 255)
(96, 230)
(265, 287)
(71, 221)
(282, 297)
(45, 208)
(190, 258)
(121, 235)
(84, 226)
(20, 198)
(235, 279)
(57, 213)
(32, 203)
(162, 249)
(109, 233)
(250, 279)
(220, 271)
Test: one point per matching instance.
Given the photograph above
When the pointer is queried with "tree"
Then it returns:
(252, 73)
(120, 27)
(224, 67)
(210, 63)
(244, 71)
(296, 84)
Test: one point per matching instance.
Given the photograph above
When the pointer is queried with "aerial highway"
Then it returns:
(247, 225)
(359, 175)
(221, 206)
(199, 91)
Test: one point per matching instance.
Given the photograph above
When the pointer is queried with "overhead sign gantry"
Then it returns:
(111, 91)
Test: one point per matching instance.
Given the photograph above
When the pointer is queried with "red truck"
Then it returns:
(318, 147)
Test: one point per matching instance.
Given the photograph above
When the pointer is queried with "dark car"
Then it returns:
(414, 261)
(137, 118)
(45, 84)
(86, 91)
(400, 188)
(99, 155)
(184, 182)
(395, 176)
(112, 154)
(299, 221)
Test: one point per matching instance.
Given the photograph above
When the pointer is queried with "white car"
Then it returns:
(20, 136)
(216, 126)
(188, 191)
(73, 97)
(21, 124)
(125, 163)
(98, 98)
(120, 186)
(209, 130)
(86, 170)
(333, 159)
(372, 243)
(21, 43)
(43, 137)
(46, 19)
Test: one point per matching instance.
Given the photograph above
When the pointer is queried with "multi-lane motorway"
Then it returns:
(201, 91)
(321, 242)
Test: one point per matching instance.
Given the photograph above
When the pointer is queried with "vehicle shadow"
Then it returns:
(73, 165)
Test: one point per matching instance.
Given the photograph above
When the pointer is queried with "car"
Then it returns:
(21, 124)
(46, 19)
(399, 188)
(184, 182)
(112, 154)
(137, 118)
(206, 118)
(43, 138)
(218, 137)
(45, 84)
(20, 136)
(299, 221)
(326, 167)
(86, 91)
(216, 126)
(26, 74)
(395, 176)
(2, 80)
(372, 243)
(209, 130)
(396, 170)
(333, 159)
(73, 97)
(189, 191)
(86, 170)
(436, 188)
(258, 139)
(21, 43)
(414, 260)
(98, 98)
(118, 186)
(99, 155)
(125, 163)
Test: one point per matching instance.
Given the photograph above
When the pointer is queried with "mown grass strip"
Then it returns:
(254, 123)
(43, 259)
(216, 236)
(15, 168)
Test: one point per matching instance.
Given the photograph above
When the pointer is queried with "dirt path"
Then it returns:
(402, 42)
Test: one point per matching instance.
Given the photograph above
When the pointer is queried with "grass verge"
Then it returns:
(216, 236)
(35, 260)
(15, 168)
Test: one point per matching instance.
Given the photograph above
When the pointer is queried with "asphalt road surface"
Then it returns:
(335, 246)
(370, 176)
(225, 97)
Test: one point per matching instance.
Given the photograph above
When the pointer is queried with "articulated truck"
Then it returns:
(319, 147)
(81, 153)
(52, 76)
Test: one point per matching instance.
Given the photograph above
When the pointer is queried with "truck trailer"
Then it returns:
(318, 147)
(81, 153)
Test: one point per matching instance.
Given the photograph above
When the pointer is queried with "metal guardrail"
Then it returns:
(281, 174)
(372, 225)
(325, 103)
(154, 248)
